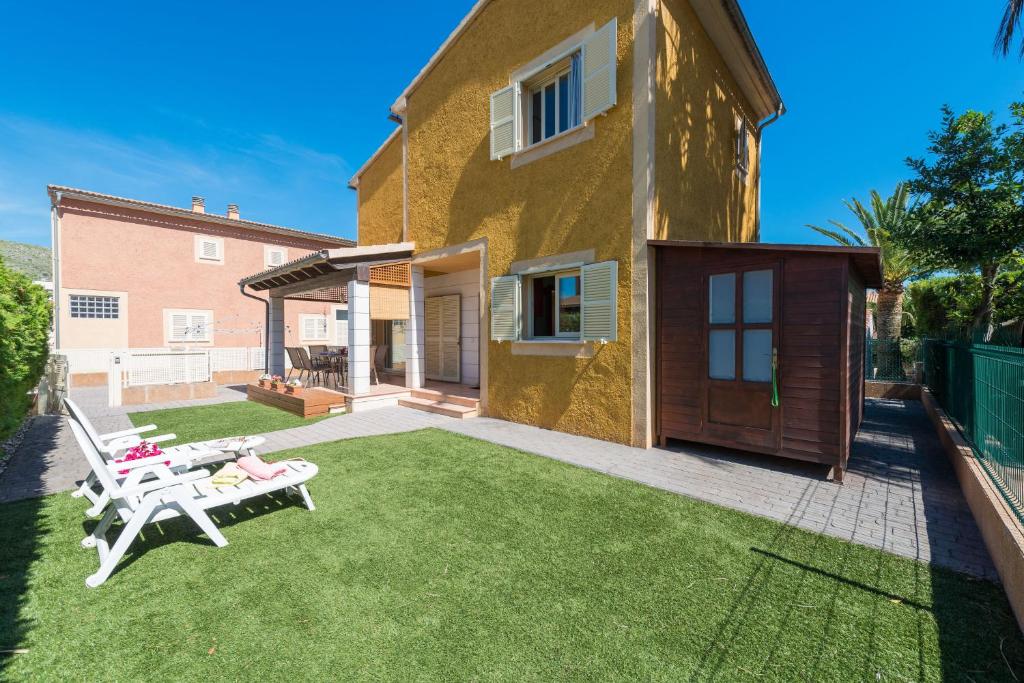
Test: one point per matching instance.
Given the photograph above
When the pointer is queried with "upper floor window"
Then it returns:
(89, 306)
(209, 249)
(274, 256)
(554, 100)
(742, 145)
(561, 94)
(313, 327)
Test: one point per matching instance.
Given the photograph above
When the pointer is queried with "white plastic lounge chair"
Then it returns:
(192, 454)
(167, 494)
(111, 446)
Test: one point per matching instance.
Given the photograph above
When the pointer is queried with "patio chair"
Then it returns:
(379, 356)
(319, 364)
(168, 494)
(111, 446)
(300, 361)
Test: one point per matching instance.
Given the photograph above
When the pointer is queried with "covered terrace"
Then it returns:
(376, 282)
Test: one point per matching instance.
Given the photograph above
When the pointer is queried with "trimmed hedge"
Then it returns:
(25, 312)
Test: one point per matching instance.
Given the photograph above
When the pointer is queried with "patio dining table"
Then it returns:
(335, 363)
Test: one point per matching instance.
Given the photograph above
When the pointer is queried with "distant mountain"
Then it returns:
(30, 259)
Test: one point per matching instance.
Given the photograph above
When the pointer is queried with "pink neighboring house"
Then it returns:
(129, 274)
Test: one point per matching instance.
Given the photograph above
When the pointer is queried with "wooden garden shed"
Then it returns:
(760, 347)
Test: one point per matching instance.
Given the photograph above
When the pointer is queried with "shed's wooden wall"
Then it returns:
(813, 339)
(855, 370)
(810, 363)
(680, 358)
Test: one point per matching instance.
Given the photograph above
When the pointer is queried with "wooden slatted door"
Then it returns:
(442, 337)
(741, 341)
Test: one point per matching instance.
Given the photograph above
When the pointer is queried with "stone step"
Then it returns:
(434, 395)
(439, 407)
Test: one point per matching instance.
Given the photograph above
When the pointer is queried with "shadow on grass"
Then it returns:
(961, 627)
(22, 528)
(184, 530)
(842, 579)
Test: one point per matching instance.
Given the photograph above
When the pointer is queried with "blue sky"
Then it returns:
(273, 106)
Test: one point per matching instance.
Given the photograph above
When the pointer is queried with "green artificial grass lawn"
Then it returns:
(238, 418)
(435, 556)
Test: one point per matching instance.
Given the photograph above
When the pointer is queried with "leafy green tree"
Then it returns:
(878, 221)
(943, 306)
(971, 219)
(24, 341)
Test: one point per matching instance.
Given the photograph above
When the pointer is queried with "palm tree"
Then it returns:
(1007, 27)
(898, 265)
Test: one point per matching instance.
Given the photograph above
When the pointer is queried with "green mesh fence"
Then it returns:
(981, 387)
(890, 360)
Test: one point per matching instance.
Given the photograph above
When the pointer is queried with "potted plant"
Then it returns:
(293, 387)
(275, 380)
(264, 380)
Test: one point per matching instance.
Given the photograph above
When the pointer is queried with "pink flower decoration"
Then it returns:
(143, 450)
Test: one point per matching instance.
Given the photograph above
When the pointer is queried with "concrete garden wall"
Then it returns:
(1001, 530)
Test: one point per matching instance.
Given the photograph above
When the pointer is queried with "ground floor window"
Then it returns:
(341, 326)
(569, 303)
(313, 327)
(396, 344)
(188, 325)
(90, 306)
(554, 305)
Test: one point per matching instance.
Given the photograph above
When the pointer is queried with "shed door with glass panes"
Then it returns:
(741, 343)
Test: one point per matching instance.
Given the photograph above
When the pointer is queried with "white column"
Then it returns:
(358, 337)
(415, 372)
(275, 336)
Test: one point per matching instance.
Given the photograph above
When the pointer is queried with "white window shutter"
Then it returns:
(321, 324)
(199, 327)
(503, 122)
(599, 65)
(209, 250)
(742, 147)
(275, 258)
(179, 327)
(505, 308)
(599, 286)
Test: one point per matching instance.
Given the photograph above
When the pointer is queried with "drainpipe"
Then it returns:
(772, 118)
(55, 265)
(266, 325)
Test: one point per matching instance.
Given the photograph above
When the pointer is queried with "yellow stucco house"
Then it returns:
(507, 227)
(536, 153)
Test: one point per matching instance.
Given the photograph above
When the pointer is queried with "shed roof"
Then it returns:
(866, 260)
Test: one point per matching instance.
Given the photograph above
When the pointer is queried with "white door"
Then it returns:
(442, 337)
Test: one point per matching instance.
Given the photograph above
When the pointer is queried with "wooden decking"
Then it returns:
(443, 398)
(310, 402)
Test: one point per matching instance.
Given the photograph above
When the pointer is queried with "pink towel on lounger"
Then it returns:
(260, 470)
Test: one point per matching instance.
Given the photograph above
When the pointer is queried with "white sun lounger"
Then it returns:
(111, 446)
(167, 494)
